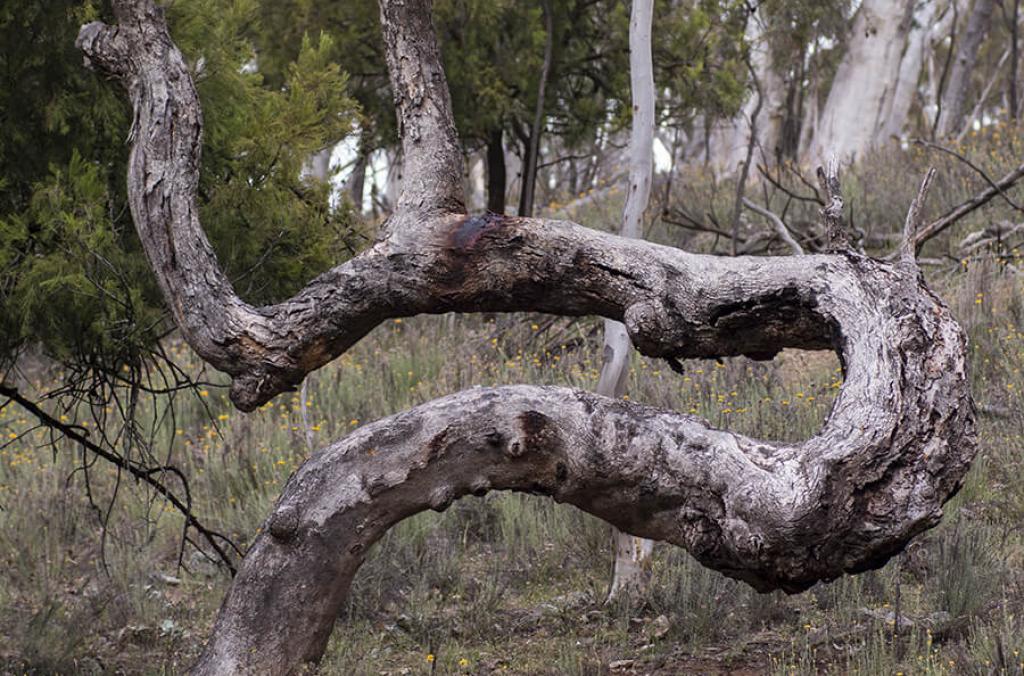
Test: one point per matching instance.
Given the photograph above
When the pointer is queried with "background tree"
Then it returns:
(952, 110)
(632, 554)
(74, 285)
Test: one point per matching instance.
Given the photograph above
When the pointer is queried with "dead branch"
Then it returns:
(142, 473)
(913, 221)
(832, 211)
(780, 227)
(995, 188)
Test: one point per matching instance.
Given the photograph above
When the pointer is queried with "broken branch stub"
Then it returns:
(832, 212)
(912, 225)
(895, 446)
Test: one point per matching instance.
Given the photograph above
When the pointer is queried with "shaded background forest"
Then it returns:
(301, 165)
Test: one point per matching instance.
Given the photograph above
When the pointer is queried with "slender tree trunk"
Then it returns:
(792, 114)
(741, 181)
(319, 165)
(856, 107)
(356, 183)
(632, 553)
(809, 126)
(531, 159)
(393, 180)
(954, 96)
(729, 140)
(1014, 60)
(909, 73)
(979, 105)
(496, 174)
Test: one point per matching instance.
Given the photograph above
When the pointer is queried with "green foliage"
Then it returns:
(699, 58)
(72, 275)
(354, 26)
(81, 290)
(493, 54)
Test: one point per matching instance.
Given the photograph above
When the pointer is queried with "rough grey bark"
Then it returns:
(954, 95)
(631, 553)
(894, 448)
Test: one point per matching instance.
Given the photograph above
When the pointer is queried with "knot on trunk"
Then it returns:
(106, 48)
(284, 523)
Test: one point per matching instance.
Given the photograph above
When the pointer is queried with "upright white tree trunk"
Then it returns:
(730, 138)
(909, 74)
(319, 164)
(944, 29)
(809, 125)
(857, 105)
(393, 179)
(476, 183)
(319, 167)
(954, 96)
(632, 552)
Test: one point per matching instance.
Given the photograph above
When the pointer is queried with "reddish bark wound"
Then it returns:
(469, 230)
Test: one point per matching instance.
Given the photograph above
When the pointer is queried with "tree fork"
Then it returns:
(895, 446)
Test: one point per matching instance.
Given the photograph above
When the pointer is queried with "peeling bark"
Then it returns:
(895, 446)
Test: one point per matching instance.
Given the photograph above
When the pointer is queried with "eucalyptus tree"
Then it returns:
(632, 553)
(953, 104)
(861, 92)
(895, 446)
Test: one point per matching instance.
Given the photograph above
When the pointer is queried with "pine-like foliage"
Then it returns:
(73, 279)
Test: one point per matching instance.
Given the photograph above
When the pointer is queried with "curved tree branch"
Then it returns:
(895, 447)
(780, 227)
(428, 262)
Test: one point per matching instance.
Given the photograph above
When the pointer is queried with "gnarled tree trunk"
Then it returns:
(895, 446)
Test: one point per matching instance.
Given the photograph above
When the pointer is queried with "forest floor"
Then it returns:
(507, 583)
